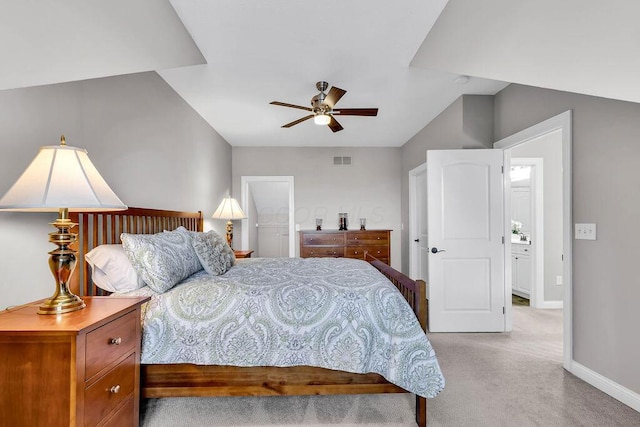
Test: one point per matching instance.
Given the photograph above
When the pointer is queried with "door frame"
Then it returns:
(413, 220)
(561, 122)
(245, 181)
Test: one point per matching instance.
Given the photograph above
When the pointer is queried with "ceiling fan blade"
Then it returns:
(295, 122)
(284, 104)
(334, 95)
(356, 111)
(334, 125)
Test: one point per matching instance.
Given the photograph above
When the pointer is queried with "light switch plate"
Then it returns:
(585, 232)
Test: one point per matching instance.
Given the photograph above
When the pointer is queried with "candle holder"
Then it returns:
(363, 223)
(318, 224)
(344, 221)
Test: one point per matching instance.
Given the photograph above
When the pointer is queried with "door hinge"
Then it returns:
(502, 170)
(503, 240)
(503, 311)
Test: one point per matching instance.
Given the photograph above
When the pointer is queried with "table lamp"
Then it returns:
(59, 179)
(229, 209)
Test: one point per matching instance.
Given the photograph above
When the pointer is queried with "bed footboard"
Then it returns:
(414, 291)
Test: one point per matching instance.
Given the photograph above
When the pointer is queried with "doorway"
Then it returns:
(269, 229)
(418, 231)
(558, 127)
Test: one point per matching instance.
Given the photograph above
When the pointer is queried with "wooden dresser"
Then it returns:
(350, 244)
(75, 369)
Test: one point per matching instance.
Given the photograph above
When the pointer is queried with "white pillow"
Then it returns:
(111, 269)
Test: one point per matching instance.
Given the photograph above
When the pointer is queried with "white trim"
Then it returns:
(551, 305)
(413, 223)
(613, 389)
(244, 185)
(563, 122)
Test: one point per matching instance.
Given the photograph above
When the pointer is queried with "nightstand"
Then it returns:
(74, 369)
(243, 254)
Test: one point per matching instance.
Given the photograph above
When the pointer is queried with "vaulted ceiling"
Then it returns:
(229, 59)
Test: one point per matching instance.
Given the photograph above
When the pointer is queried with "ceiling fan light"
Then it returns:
(322, 119)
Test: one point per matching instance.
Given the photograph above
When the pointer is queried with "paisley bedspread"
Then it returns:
(335, 313)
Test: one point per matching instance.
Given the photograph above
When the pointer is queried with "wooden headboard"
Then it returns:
(105, 227)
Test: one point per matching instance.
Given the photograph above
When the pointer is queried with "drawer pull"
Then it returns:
(115, 389)
(116, 341)
(378, 238)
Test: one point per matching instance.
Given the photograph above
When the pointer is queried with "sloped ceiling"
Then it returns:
(229, 59)
(588, 47)
(48, 41)
(258, 52)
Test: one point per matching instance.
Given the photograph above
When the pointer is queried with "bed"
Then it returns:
(196, 379)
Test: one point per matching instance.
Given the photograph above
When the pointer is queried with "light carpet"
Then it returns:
(510, 379)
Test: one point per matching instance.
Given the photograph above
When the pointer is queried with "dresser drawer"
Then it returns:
(367, 238)
(108, 392)
(358, 251)
(323, 239)
(109, 342)
(521, 249)
(311, 252)
(124, 417)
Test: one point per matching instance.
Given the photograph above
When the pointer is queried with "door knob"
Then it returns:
(435, 250)
(416, 240)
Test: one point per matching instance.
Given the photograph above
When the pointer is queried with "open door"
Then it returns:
(466, 246)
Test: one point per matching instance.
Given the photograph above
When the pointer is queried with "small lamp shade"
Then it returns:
(61, 178)
(229, 209)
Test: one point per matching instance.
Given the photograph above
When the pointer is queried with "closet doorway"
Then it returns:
(269, 229)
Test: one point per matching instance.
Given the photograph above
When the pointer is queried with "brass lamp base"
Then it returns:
(229, 233)
(62, 263)
(61, 304)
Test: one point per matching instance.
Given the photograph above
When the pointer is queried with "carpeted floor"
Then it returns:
(510, 379)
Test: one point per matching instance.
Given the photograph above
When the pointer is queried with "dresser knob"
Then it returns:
(116, 341)
(356, 252)
(115, 389)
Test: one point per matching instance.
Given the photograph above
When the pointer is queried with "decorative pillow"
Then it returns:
(161, 259)
(111, 270)
(214, 253)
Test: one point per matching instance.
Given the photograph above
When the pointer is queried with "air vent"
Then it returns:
(342, 161)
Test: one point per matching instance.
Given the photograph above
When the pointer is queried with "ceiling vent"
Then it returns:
(342, 161)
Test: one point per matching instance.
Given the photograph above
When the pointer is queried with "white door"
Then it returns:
(418, 231)
(466, 229)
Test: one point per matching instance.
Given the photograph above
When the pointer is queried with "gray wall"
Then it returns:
(606, 161)
(466, 123)
(149, 145)
(549, 148)
(369, 188)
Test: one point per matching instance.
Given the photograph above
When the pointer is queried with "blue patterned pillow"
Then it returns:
(214, 253)
(162, 259)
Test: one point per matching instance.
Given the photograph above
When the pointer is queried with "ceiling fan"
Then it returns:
(322, 108)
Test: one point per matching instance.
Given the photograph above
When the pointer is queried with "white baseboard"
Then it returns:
(551, 304)
(613, 389)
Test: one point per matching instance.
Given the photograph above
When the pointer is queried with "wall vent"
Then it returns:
(342, 161)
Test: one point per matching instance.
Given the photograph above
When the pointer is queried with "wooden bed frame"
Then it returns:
(183, 380)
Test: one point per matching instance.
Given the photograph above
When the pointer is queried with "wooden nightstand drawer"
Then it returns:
(124, 416)
(108, 392)
(323, 239)
(311, 252)
(109, 342)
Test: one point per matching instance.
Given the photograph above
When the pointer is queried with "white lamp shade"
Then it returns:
(229, 209)
(61, 177)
